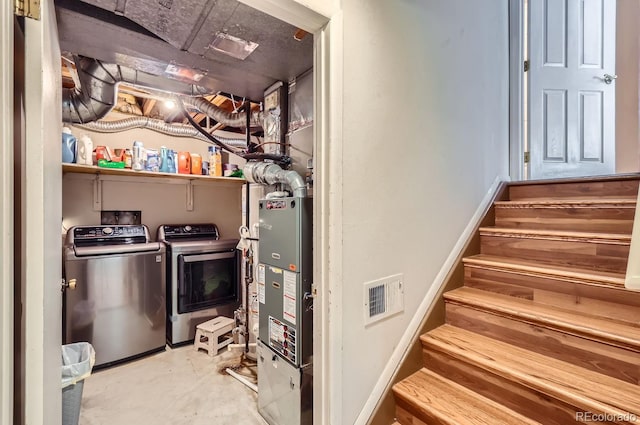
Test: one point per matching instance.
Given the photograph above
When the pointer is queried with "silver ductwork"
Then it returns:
(177, 130)
(181, 33)
(98, 91)
(268, 173)
(227, 118)
(97, 94)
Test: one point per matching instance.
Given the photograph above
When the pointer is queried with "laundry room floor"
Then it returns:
(176, 387)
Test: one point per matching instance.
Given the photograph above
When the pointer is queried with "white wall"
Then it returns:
(425, 135)
(161, 201)
(324, 7)
(309, 15)
(627, 86)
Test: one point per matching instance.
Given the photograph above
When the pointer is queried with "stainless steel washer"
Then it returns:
(115, 298)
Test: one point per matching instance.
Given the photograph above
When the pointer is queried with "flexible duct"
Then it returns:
(98, 94)
(227, 118)
(159, 126)
(283, 160)
(269, 173)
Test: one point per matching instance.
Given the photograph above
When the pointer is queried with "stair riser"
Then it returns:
(589, 255)
(591, 300)
(407, 415)
(618, 362)
(510, 393)
(600, 189)
(607, 220)
(586, 324)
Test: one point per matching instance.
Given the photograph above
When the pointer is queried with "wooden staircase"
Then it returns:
(543, 330)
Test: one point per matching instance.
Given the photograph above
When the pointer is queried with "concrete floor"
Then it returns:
(177, 387)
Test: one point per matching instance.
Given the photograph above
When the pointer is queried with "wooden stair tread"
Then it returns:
(615, 186)
(594, 328)
(587, 390)
(569, 203)
(588, 179)
(563, 235)
(544, 269)
(452, 403)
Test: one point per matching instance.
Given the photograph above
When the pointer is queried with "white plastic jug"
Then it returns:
(138, 160)
(85, 150)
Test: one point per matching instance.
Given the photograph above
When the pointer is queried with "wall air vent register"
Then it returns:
(383, 298)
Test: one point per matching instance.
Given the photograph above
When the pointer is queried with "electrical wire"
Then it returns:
(270, 143)
(282, 160)
(202, 131)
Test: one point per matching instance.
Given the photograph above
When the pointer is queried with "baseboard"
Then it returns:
(386, 380)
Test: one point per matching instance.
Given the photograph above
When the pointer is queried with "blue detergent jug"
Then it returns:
(167, 160)
(68, 146)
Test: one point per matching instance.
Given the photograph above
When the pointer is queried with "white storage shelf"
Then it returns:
(92, 169)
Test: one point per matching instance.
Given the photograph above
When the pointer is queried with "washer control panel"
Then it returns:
(95, 232)
(180, 231)
(108, 235)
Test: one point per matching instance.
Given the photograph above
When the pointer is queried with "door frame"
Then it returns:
(327, 218)
(518, 53)
(6, 212)
(327, 268)
(516, 90)
(40, 216)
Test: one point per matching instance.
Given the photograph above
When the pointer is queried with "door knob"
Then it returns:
(608, 79)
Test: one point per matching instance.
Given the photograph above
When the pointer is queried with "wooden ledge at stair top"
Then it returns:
(554, 203)
(589, 179)
(573, 274)
(428, 395)
(557, 235)
(594, 328)
(579, 387)
(92, 169)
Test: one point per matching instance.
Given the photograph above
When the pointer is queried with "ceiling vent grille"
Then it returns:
(383, 298)
(233, 46)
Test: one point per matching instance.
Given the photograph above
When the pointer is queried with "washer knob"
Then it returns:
(107, 230)
(187, 228)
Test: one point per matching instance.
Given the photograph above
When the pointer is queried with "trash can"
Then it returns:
(77, 361)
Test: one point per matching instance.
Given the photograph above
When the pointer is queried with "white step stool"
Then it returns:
(210, 331)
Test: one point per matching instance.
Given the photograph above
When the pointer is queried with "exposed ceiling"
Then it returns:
(139, 101)
(173, 38)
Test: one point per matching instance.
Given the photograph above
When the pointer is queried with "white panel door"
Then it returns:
(571, 101)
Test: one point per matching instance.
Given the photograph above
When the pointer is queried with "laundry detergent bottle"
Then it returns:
(138, 158)
(69, 144)
(167, 160)
(84, 154)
